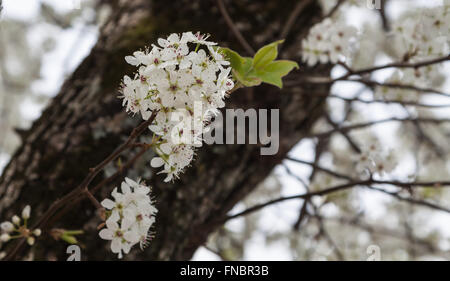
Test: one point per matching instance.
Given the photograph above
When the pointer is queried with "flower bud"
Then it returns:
(30, 240)
(7, 226)
(26, 212)
(5, 237)
(16, 220)
(37, 232)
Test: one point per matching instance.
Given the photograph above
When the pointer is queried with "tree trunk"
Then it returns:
(85, 122)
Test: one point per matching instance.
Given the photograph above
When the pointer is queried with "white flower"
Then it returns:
(16, 220)
(171, 79)
(120, 237)
(422, 33)
(328, 41)
(26, 212)
(132, 216)
(22, 230)
(7, 226)
(178, 157)
(5, 237)
(375, 160)
(31, 240)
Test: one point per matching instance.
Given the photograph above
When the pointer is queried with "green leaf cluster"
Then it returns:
(261, 68)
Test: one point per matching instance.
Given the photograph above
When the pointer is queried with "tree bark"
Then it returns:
(85, 122)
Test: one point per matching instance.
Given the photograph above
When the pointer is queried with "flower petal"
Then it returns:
(108, 204)
(106, 234)
(157, 162)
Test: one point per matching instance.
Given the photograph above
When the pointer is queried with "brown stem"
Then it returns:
(92, 198)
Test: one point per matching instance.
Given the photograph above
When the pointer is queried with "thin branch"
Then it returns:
(395, 65)
(372, 83)
(367, 183)
(300, 196)
(326, 234)
(368, 82)
(301, 5)
(372, 123)
(434, 184)
(352, 143)
(233, 28)
(319, 168)
(303, 209)
(422, 136)
(355, 99)
(92, 198)
(360, 72)
(411, 200)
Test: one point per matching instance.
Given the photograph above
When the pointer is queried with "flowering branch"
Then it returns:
(172, 82)
(79, 190)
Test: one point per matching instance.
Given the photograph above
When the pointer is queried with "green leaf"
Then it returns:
(246, 74)
(262, 68)
(236, 61)
(274, 71)
(242, 68)
(266, 55)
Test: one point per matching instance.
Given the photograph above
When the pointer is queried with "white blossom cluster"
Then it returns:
(328, 41)
(17, 228)
(420, 35)
(375, 160)
(185, 79)
(130, 217)
(423, 33)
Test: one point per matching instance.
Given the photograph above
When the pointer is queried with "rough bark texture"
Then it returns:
(85, 122)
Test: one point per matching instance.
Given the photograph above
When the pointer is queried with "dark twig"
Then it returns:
(233, 28)
(355, 99)
(301, 5)
(372, 123)
(364, 183)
